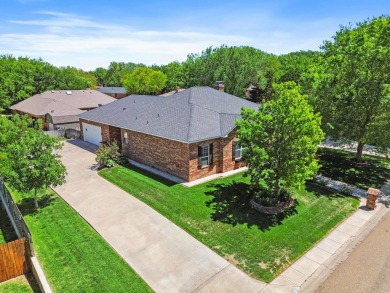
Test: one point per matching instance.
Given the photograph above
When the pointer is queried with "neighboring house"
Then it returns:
(190, 134)
(59, 109)
(177, 90)
(115, 92)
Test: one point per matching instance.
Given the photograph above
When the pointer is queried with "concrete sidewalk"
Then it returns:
(166, 257)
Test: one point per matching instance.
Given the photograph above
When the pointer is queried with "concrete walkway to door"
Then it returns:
(166, 257)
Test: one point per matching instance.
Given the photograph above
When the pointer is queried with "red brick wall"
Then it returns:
(160, 153)
(228, 163)
(176, 158)
(222, 157)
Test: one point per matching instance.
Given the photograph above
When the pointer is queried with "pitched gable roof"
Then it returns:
(195, 114)
(62, 102)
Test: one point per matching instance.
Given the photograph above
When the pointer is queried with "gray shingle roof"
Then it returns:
(112, 90)
(195, 114)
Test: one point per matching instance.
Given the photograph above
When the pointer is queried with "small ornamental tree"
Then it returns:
(280, 142)
(144, 80)
(29, 162)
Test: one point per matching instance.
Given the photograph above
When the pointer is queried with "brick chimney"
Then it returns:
(219, 86)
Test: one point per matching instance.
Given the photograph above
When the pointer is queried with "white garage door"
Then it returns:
(92, 133)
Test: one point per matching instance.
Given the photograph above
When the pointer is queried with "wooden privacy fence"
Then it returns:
(14, 259)
(15, 215)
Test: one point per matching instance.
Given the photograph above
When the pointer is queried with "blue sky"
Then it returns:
(90, 34)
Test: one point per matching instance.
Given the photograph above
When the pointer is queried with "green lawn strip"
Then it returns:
(74, 257)
(16, 285)
(218, 214)
(7, 232)
(339, 165)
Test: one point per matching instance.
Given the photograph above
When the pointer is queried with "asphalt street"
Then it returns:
(367, 269)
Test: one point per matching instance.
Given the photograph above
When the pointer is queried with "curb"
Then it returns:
(326, 269)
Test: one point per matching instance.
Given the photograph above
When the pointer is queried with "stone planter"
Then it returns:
(279, 208)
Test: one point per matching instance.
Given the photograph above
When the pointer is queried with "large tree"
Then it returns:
(117, 71)
(144, 80)
(353, 91)
(238, 67)
(280, 141)
(22, 77)
(28, 159)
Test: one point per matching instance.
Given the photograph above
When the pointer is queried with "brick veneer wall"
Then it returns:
(163, 154)
(176, 158)
(222, 157)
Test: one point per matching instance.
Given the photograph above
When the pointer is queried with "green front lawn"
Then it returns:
(74, 257)
(7, 232)
(16, 285)
(217, 213)
(339, 165)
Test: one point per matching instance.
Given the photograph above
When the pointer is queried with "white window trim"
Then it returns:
(238, 150)
(202, 157)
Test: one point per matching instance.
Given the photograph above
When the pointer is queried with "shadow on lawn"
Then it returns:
(27, 206)
(231, 205)
(339, 165)
(6, 228)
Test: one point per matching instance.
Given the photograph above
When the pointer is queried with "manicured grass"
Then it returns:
(16, 285)
(7, 232)
(218, 214)
(339, 165)
(74, 257)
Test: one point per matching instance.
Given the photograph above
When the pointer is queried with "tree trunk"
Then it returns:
(36, 199)
(359, 152)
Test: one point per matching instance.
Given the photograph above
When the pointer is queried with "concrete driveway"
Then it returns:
(166, 257)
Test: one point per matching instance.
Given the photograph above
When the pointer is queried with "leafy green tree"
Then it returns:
(28, 161)
(117, 71)
(295, 64)
(238, 67)
(354, 92)
(74, 79)
(21, 78)
(144, 80)
(280, 141)
(175, 75)
(100, 75)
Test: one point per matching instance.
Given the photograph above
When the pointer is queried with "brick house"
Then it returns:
(190, 134)
(113, 91)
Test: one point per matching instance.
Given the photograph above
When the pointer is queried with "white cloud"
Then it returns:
(69, 39)
(84, 43)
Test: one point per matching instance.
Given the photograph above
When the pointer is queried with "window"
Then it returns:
(237, 151)
(125, 138)
(205, 155)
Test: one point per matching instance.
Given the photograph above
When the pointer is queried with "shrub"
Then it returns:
(269, 198)
(346, 190)
(108, 155)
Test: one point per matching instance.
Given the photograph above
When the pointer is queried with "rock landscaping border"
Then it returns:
(279, 208)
